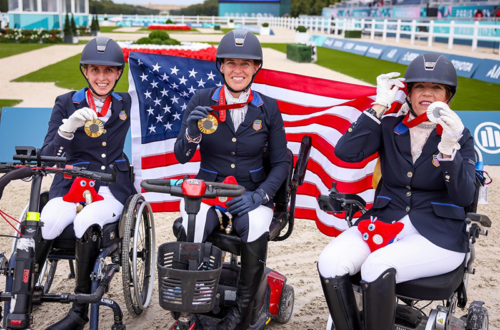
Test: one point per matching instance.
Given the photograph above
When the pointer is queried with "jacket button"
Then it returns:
(350, 129)
(407, 209)
(233, 139)
(408, 194)
(410, 174)
(103, 167)
(447, 177)
(408, 187)
(233, 153)
(103, 155)
(233, 166)
(104, 144)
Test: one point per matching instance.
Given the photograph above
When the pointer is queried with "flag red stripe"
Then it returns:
(311, 85)
(296, 109)
(161, 160)
(338, 123)
(322, 145)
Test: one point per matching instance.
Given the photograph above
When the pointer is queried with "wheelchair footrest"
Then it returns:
(407, 316)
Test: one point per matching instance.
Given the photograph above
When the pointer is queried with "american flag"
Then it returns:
(161, 87)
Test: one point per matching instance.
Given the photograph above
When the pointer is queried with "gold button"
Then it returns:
(410, 174)
(233, 153)
(408, 194)
(104, 132)
(103, 167)
(408, 187)
(233, 166)
(350, 129)
(447, 177)
(103, 155)
(407, 209)
(233, 139)
(104, 144)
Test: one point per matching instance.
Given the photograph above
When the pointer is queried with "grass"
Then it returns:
(472, 94)
(194, 31)
(108, 29)
(65, 74)
(9, 103)
(7, 50)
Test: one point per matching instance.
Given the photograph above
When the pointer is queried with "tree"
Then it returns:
(309, 7)
(73, 26)
(4, 6)
(109, 7)
(67, 26)
(207, 8)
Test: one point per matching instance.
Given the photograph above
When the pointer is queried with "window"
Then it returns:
(30, 5)
(13, 5)
(49, 5)
(80, 6)
(68, 6)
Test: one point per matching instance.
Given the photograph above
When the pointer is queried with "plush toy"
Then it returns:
(378, 234)
(82, 191)
(220, 206)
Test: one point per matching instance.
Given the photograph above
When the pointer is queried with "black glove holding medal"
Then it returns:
(198, 113)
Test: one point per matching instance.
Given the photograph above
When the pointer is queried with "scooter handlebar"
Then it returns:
(174, 188)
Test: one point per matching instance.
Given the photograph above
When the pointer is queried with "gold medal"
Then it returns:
(208, 125)
(94, 128)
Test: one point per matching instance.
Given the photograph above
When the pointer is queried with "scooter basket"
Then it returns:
(188, 276)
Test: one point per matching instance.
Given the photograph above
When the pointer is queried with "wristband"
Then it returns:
(196, 140)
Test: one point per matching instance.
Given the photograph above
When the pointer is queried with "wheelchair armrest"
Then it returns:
(336, 202)
(481, 218)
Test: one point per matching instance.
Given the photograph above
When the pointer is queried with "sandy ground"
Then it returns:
(295, 258)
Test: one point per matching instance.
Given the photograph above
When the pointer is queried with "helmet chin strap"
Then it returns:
(92, 88)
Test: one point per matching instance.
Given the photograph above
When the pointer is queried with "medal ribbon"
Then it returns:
(419, 120)
(222, 107)
(105, 107)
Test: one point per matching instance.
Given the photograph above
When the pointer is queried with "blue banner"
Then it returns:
(465, 66)
(485, 128)
(392, 53)
(488, 70)
(318, 40)
(328, 42)
(355, 47)
(409, 55)
(375, 51)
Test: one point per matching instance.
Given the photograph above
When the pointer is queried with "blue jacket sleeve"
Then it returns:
(361, 140)
(460, 173)
(184, 150)
(278, 153)
(54, 144)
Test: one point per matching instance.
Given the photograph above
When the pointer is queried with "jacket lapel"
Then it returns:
(430, 148)
(402, 140)
(252, 114)
(116, 107)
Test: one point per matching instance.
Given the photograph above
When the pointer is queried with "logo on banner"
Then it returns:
(487, 137)
(328, 42)
(462, 65)
(409, 56)
(392, 53)
(494, 72)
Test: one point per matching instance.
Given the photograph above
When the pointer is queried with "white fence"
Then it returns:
(475, 31)
(187, 19)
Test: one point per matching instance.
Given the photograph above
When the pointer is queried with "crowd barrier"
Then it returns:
(28, 127)
(469, 67)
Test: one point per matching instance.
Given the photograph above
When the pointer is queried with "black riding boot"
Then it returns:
(341, 302)
(87, 250)
(42, 249)
(253, 266)
(379, 302)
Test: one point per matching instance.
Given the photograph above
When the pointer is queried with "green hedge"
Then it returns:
(298, 53)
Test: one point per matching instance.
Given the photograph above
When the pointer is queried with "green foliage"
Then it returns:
(97, 22)
(158, 34)
(207, 8)
(67, 26)
(169, 21)
(309, 7)
(110, 8)
(34, 36)
(73, 25)
(265, 25)
(83, 31)
(9, 103)
(301, 29)
(217, 27)
(4, 6)
(231, 21)
(94, 26)
(143, 41)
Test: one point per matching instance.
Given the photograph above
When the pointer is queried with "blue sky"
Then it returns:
(159, 2)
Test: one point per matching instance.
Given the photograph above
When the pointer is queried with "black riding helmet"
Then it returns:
(102, 51)
(432, 68)
(240, 44)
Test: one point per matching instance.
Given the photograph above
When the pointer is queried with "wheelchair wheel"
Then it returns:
(138, 254)
(477, 318)
(286, 304)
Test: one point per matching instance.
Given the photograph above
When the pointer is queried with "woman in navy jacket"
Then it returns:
(102, 64)
(236, 149)
(428, 173)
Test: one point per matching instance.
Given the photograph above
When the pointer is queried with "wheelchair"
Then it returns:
(450, 288)
(129, 244)
(211, 302)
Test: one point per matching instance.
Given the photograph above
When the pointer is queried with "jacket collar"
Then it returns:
(80, 96)
(256, 101)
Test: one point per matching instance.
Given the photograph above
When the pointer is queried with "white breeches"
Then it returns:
(58, 214)
(412, 255)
